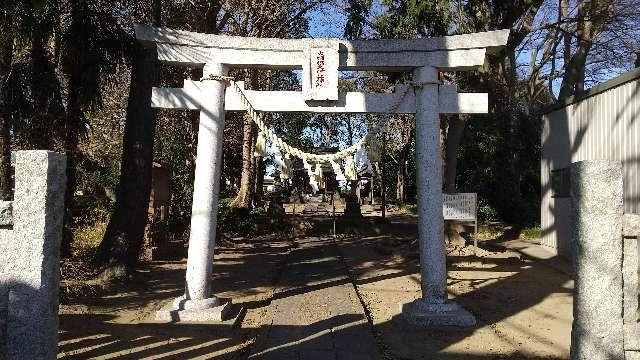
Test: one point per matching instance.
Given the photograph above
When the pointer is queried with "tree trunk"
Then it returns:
(401, 174)
(454, 134)
(211, 17)
(512, 180)
(400, 182)
(244, 198)
(245, 193)
(259, 176)
(6, 59)
(120, 247)
(452, 147)
(383, 191)
(590, 18)
(73, 124)
(383, 185)
(41, 137)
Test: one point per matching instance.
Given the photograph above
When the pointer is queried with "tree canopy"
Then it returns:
(73, 79)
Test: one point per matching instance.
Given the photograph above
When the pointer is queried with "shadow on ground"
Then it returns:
(523, 307)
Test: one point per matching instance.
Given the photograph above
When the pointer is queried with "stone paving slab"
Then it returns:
(316, 313)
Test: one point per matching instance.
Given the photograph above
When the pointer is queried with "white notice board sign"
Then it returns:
(459, 206)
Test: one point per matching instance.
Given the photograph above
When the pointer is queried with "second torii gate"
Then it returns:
(320, 61)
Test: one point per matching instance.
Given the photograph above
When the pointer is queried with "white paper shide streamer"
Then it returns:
(316, 177)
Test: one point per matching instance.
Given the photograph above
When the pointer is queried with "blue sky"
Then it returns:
(326, 21)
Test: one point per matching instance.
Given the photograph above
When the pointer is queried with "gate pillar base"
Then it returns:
(423, 314)
(204, 310)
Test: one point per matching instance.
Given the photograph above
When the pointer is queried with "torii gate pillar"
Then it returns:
(198, 302)
(433, 309)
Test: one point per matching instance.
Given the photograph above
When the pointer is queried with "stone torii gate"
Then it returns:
(320, 61)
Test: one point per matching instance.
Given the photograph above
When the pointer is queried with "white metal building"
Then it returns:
(603, 123)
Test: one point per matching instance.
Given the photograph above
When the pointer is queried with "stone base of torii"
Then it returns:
(425, 58)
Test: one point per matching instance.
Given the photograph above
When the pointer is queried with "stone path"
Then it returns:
(316, 313)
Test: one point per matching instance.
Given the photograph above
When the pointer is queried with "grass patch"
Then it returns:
(533, 232)
(409, 209)
(87, 238)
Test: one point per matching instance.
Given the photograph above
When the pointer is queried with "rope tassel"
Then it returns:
(261, 146)
(350, 170)
(373, 150)
(285, 169)
(337, 171)
(281, 162)
(319, 176)
(312, 177)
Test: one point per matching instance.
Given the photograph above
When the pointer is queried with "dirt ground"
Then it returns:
(524, 308)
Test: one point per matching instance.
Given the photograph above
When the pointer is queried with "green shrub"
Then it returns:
(533, 232)
(240, 220)
(486, 211)
(258, 212)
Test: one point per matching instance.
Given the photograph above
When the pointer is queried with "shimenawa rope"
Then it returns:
(268, 133)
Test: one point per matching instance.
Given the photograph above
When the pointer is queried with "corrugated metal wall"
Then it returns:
(603, 126)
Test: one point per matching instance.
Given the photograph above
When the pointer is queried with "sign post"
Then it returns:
(460, 207)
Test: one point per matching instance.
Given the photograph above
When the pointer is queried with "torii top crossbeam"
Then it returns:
(321, 60)
(458, 52)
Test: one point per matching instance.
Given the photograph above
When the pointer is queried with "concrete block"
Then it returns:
(596, 195)
(3, 319)
(277, 354)
(317, 355)
(355, 343)
(346, 355)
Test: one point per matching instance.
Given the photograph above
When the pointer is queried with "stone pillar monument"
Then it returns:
(30, 257)
(597, 200)
(198, 303)
(433, 309)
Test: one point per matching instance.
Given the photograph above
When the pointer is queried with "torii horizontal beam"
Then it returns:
(190, 97)
(458, 52)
